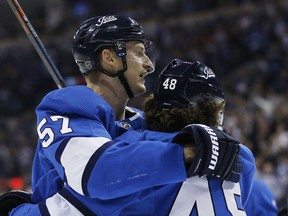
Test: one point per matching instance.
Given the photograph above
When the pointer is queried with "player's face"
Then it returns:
(138, 66)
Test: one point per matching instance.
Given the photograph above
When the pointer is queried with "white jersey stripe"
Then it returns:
(59, 206)
(135, 116)
(75, 157)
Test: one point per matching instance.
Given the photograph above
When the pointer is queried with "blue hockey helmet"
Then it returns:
(102, 32)
(182, 83)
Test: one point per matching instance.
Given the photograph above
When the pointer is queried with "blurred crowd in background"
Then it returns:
(245, 42)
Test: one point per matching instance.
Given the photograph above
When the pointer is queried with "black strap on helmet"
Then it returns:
(120, 48)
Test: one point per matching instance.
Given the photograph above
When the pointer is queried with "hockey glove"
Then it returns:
(12, 199)
(217, 153)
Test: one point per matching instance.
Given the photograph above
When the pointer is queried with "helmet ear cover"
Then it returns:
(89, 60)
(85, 60)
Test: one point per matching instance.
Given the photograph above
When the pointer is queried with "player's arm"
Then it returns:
(61, 116)
(71, 154)
(249, 169)
(73, 144)
(138, 161)
(82, 164)
(133, 163)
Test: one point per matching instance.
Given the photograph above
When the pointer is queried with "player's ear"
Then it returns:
(108, 56)
(109, 60)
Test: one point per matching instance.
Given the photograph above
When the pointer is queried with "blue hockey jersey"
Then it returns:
(196, 196)
(138, 173)
(261, 201)
(75, 127)
(57, 114)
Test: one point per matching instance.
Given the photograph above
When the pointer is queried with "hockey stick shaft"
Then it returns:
(36, 42)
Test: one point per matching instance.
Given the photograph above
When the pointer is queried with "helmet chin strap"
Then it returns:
(120, 75)
(124, 82)
(123, 79)
(120, 48)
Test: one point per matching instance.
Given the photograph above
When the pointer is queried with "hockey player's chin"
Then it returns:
(140, 90)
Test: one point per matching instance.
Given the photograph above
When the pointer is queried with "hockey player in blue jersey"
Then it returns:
(226, 196)
(76, 126)
(190, 93)
(262, 201)
(85, 120)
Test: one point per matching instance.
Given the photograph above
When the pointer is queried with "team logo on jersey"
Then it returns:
(105, 19)
(125, 125)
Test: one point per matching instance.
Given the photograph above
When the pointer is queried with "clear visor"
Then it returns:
(143, 53)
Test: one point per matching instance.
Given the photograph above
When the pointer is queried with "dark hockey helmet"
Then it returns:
(102, 32)
(182, 83)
